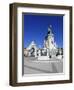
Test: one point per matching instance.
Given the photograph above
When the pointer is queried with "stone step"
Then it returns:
(43, 58)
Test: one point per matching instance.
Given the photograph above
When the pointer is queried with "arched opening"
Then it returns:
(32, 52)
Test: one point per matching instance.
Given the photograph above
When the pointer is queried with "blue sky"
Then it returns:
(36, 27)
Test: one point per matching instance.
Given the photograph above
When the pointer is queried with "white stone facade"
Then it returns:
(49, 50)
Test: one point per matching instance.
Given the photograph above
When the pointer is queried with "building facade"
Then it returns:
(49, 50)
